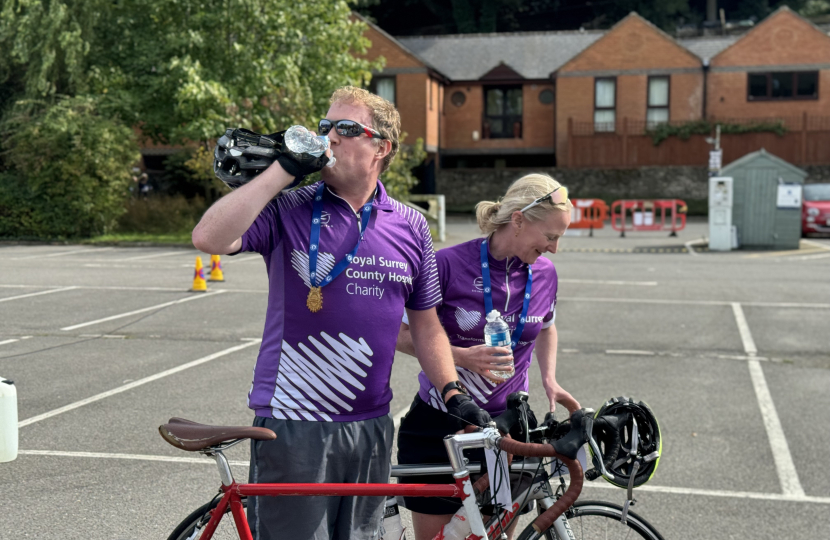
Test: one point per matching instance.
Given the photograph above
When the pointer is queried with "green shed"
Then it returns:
(764, 216)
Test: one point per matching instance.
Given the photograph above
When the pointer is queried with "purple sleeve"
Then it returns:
(263, 234)
(549, 319)
(426, 290)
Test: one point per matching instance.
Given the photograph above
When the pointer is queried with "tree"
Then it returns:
(188, 69)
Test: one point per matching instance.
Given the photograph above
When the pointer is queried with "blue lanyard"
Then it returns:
(315, 240)
(488, 295)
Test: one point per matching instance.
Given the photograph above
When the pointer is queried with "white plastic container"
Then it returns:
(8, 421)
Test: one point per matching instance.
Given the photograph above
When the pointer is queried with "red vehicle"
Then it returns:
(815, 211)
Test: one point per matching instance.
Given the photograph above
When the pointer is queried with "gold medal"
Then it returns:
(315, 299)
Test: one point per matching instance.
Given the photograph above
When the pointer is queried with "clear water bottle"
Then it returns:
(392, 528)
(301, 141)
(497, 334)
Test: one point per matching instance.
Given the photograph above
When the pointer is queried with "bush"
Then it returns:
(65, 170)
(661, 132)
(161, 215)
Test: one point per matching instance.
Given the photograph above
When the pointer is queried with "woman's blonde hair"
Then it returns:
(385, 117)
(492, 215)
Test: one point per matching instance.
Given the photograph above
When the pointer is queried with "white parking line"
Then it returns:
(784, 465)
(816, 244)
(787, 475)
(62, 253)
(152, 256)
(138, 457)
(143, 310)
(605, 282)
(690, 250)
(50, 291)
(743, 329)
(134, 384)
(600, 485)
(9, 341)
(630, 352)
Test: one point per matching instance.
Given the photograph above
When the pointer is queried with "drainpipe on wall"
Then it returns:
(705, 85)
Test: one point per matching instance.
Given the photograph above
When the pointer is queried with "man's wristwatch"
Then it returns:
(455, 385)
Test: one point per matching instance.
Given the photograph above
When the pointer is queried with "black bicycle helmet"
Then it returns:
(629, 441)
(242, 154)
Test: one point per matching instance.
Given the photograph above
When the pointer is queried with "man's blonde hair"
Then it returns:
(385, 117)
(492, 215)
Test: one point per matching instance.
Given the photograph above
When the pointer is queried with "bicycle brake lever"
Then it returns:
(589, 432)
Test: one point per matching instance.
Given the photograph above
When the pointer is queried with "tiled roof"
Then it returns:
(466, 57)
(707, 47)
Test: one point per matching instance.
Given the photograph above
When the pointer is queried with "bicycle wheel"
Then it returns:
(594, 520)
(199, 518)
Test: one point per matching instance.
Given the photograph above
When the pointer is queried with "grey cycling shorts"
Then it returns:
(315, 452)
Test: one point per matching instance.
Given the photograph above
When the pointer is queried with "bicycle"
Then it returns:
(559, 515)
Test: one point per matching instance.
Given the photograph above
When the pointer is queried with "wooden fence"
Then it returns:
(805, 142)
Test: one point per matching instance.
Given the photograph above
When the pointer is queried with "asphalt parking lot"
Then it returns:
(731, 350)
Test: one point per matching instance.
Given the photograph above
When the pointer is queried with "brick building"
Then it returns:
(506, 100)
(780, 68)
(635, 74)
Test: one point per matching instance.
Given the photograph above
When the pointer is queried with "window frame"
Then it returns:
(507, 119)
(794, 97)
(667, 106)
(373, 86)
(614, 108)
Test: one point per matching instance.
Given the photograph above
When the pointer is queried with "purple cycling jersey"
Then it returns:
(462, 314)
(334, 365)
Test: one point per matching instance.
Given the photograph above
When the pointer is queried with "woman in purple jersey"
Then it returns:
(528, 222)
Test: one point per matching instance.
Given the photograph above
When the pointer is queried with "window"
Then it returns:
(503, 112)
(782, 85)
(384, 87)
(605, 103)
(658, 101)
(458, 98)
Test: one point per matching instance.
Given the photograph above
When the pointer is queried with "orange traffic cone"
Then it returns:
(199, 283)
(216, 269)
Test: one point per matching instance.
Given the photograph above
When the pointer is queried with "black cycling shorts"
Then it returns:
(421, 440)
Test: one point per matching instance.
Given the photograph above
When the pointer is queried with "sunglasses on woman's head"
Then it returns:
(347, 128)
(548, 197)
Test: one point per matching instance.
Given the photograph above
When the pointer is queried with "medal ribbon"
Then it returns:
(488, 295)
(314, 242)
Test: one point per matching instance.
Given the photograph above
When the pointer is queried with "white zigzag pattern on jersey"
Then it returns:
(325, 262)
(314, 383)
(467, 320)
(435, 400)
(480, 387)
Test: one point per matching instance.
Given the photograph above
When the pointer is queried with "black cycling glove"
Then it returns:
(463, 412)
(297, 165)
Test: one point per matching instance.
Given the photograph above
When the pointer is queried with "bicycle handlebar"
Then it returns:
(546, 519)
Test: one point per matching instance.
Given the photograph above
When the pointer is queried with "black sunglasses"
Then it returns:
(347, 128)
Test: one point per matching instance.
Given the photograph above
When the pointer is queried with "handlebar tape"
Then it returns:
(546, 519)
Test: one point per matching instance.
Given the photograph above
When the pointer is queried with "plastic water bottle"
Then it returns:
(497, 334)
(8, 420)
(392, 528)
(301, 141)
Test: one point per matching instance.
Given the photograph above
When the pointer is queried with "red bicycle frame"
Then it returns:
(234, 493)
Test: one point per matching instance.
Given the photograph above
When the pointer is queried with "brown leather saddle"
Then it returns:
(193, 437)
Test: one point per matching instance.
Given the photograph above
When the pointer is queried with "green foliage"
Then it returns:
(661, 132)
(66, 170)
(45, 45)
(188, 69)
(398, 178)
(161, 215)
